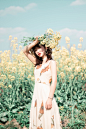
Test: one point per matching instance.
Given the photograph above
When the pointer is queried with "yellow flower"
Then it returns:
(68, 60)
(1, 84)
(9, 76)
(3, 76)
(58, 35)
(68, 45)
(50, 31)
(32, 78)
(58, 98)
(72, 49)
(29, 76)
(72, 76)
(77, 69)
(61, 107)
(62, 74)
(14, 69)
(20, 47)
(12, 78)
(5, 86)
(67, 39)
(81, 39)
(79, 45)
(74, 45)
(85, 76)
(10, 86)
(10, 37)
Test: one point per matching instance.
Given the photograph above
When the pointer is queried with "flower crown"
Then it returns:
(49, 39)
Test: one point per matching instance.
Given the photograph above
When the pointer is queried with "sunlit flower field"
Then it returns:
(17, 84)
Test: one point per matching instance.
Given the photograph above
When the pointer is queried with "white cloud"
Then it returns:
(30, 6)
(73, 32)
(15, 32)
(74, 36)
(16, 9)
(78, 2)
(18, 32)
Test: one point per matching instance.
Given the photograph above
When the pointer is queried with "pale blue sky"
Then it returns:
(33, 17)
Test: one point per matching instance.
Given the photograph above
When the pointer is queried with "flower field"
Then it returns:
(17, 85)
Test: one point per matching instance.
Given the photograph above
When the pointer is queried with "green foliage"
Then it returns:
(70, 96)
(16, 102)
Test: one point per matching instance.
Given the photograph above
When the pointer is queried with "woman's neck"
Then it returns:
(45, 59)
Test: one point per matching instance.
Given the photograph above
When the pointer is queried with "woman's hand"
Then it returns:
(37, 41)
(48, 104)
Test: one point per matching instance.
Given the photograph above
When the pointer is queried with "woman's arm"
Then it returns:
(27, 49)
(54, 78)
(48, 104)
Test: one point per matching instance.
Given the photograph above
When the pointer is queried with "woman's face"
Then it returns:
(40, 51)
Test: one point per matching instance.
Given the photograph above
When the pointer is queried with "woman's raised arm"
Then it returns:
(27, 49)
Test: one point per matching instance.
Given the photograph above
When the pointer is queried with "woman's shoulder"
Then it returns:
(52, 62)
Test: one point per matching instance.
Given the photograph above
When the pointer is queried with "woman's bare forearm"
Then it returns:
(28, 47)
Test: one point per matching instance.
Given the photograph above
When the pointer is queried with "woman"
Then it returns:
(44, 113)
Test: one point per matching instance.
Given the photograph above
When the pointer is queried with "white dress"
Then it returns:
(40, 118)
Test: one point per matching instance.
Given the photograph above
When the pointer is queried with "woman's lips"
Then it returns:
(39, 54)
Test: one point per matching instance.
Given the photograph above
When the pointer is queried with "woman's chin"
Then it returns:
(40, 56)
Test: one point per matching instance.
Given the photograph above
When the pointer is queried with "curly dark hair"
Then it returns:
(39, 59)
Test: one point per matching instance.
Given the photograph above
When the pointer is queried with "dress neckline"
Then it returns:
(45, 63)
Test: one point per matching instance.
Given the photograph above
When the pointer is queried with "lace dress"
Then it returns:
(40, 118)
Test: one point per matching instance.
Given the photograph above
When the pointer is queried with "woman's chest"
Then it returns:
(43, 71)
(43, 75)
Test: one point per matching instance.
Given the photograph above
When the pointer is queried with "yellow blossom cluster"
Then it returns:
(50, 39)
(49, 31)
(67, 64)
(70, 64)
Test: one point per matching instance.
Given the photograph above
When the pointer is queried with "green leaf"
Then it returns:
(4, 119)
(3, 114)
(14, 110)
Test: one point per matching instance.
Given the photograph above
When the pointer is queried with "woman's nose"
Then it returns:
(38, 51)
